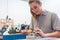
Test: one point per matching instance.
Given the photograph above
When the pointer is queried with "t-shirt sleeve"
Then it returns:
(55, 22)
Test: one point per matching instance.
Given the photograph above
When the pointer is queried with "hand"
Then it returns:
(39, 32)
(26, 31)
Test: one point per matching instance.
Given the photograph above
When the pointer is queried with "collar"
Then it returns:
(43, 13)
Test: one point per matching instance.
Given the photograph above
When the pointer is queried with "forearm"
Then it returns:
(54, 34)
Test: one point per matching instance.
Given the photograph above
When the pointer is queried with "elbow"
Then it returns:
(58, 33)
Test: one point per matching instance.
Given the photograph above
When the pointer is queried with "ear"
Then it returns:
(40, 4)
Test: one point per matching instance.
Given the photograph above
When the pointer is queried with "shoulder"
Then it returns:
(50, 13)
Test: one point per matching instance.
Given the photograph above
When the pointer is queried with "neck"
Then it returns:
(41, 11)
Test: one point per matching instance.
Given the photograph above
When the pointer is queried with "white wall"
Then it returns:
(19, 10)
(53, 6)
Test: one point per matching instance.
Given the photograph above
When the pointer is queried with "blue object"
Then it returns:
(1, 33)
(14, 36)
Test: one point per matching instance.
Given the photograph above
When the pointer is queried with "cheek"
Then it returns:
(38, 9)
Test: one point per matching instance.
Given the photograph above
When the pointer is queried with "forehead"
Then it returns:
(33, 4)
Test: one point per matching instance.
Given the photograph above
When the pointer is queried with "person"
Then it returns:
(43, 23)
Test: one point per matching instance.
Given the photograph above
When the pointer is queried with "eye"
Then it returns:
(35, 7)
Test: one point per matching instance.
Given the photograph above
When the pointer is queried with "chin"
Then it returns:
(37, 14)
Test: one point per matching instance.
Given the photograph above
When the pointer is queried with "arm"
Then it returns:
(42, 34)
(53, 34)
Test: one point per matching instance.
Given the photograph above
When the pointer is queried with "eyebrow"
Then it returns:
(34, 7)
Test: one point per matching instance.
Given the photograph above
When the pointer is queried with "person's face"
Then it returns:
(35, 8)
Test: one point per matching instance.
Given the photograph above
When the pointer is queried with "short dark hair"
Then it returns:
(37, 1)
